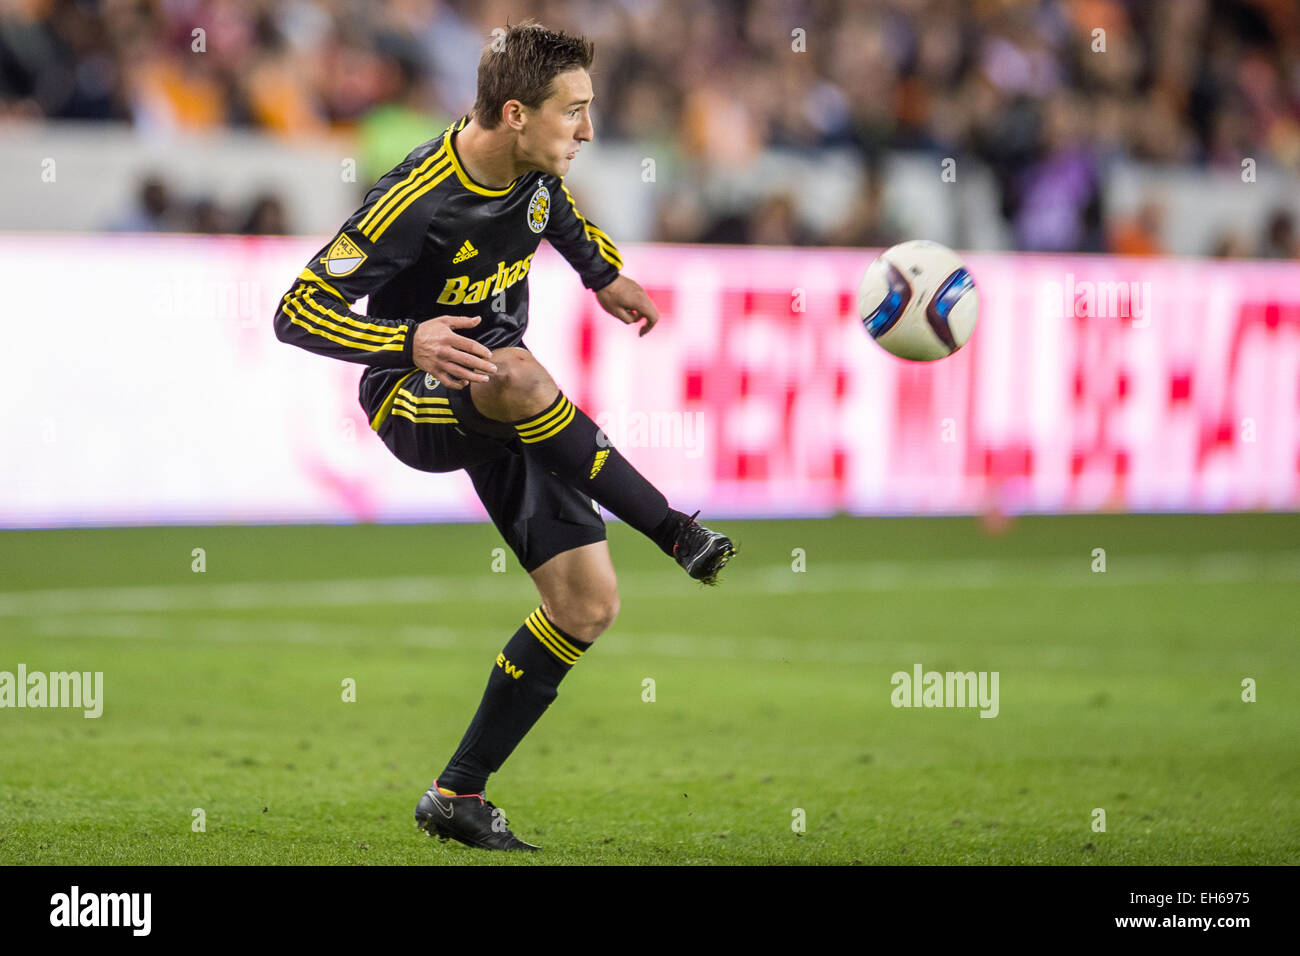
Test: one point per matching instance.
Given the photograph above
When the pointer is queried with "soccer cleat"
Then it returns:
(466, 818)
(702, 552)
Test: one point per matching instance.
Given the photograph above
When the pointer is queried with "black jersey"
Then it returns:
(429, 240)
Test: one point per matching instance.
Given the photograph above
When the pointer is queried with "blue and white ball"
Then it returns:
(918, 301)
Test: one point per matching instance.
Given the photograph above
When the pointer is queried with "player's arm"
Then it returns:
(381, 239)
(594, 257)
(316, 312)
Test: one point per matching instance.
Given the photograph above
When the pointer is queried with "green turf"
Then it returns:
(1118, 690)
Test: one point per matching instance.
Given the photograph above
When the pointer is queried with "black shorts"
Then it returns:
(433, 428)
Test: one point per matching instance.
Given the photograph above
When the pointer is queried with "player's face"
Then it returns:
(556, 130)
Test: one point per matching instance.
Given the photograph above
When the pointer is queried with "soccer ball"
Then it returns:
(917, 301)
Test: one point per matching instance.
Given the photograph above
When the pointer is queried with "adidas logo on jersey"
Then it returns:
(466, 251)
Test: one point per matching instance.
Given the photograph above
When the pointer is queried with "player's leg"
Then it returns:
(579, 591)
(559, 538)
(579, 601)
(540, 517)
(522, 393)
(523, 397)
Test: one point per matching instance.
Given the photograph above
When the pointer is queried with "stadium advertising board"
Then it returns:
(1091, 383)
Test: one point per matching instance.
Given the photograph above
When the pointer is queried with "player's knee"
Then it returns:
(588, 615)
(519, 374)
(608, 610)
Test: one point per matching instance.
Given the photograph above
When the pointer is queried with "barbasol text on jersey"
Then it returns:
(458, 289)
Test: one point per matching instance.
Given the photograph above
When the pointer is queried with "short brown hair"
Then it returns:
(521, 66)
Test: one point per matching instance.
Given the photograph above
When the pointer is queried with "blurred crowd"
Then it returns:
(156, 207)
(1046, 93)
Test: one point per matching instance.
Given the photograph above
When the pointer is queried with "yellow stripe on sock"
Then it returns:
(570, 413)
(555, 633)
(545, 640)
(544, 419)
(538, 628)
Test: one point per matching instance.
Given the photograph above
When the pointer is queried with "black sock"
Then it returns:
(522, 686)
(666, 533)
(568, 442)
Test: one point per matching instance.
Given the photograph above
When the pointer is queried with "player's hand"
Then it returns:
(626, 300)
(451, 358)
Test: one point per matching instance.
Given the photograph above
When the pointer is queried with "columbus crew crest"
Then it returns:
(343, 258)
(539, 210)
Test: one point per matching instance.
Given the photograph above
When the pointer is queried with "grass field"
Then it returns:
(1119, 690)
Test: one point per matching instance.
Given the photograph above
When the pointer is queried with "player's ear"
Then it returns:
(513, 115)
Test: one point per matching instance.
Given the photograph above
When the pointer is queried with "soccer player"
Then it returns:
(453, 230)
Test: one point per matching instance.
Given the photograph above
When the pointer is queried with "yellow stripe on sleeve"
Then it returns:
(437, 176)
(604, 245)
(379, 209)
(352, 326)
(308, 276)
(348, 342)
(317, 325)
